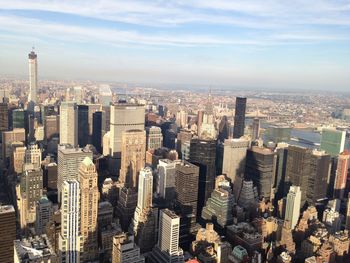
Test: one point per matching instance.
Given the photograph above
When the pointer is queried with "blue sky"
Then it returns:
(250, 44)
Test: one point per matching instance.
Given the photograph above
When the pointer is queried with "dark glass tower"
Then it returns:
(238, 130)
(97, 130)
(83, 125)
(203, 154)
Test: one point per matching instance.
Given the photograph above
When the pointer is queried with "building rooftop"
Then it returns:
(6, 209)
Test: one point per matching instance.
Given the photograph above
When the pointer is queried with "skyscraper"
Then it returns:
(203, 154)
(333, 141)
(70, 239)
(125, 250)
(69, 123)
(9, 137)
(167, 249)
(154, 138)
(97, 130)
(347, 220)
(235, 152)
(51, 126)
(261, 168)
(83, 125)
(33, 155)
(341, 174)
(293, 206)
(239, 121)
(7, 232)
(69, 159)
(166, 179)
(4, 121)
(44, 214)
(145, 219)
(87, 177)
(256, 129)
(33, 76)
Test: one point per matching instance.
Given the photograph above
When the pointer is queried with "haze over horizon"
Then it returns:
(303, 44)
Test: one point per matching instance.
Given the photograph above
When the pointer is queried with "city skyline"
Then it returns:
(300, 45)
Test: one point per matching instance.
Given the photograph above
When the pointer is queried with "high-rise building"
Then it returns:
(133, 156)
(124, 117)
(51, 126)
(278, 133)
(97, 130)
(256, 129)
(181, 118)
(89, 196)
(166, 179)
(186, 188)
(70, 239)
(4, 121)
(145, 219)
(333, 141)
(9, 137)
(69, 123)
(44, 214)
(293, 206)
(125, 250)
(280, 182)
(347, 220)
(20, 119)
(7, 232)
(154, 138)
(341, 174)
(224, 129)
(78, 94)
(34, 249)
(260, 168)
(33, 155)
(167, 249)
(33, 76)
(18, 159)
(203, 154)
(83, 125)
(219, 206)
(239, 121)
(235, 152)
(69, 159)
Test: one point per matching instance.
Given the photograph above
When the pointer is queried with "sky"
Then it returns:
(285, 44)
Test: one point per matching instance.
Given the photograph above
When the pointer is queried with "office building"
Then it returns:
(69, 159)
(126, 205)
(261, 168)
(33, 76)
(125, 250)
(219, 206)
(20, 120)
(34, 249)
(293, 206)
(170, 139)
(50, 175)
(181, 118)
(347, 220)
(333, 141)
(132, 156)
(341, 174)
(78, 94)
(183, 142)
(70, 239)
(203, 154)
(83, 125)
(51, 126)
(239, 121)
(224, 129)
(69, 123)
(145, 218)
(97, 122)
(154, 138)
(4, 114)
(280, 181)
(44, 214)
(166, 179)
(18, 159)
(332, 219)
(124, 117)
(278, 133)
(33, 155)
(167, 249)
(186, 188)
(7, 232)
(256, 129)
(234, 159)
(89, 197)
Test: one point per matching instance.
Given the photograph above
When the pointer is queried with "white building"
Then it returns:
(166, 178)
(33, 76)
(69, 123)
(293, 206)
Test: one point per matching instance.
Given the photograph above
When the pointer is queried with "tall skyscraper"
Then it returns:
(133, 156)
(97, 130)
(70, 239)
(167, 249)
(261, 168)
(235, 152)
(83, 125)
(69, 159)
(4, 121)
(89, 196)
(256, 129)
(33, 76)
(333, 141)
(154, 138)
(166, 179)
(7, 232)
(239, 121)
(51, 126)
(145, 219)
(69, 123)
(341, 174)
(293, 206)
